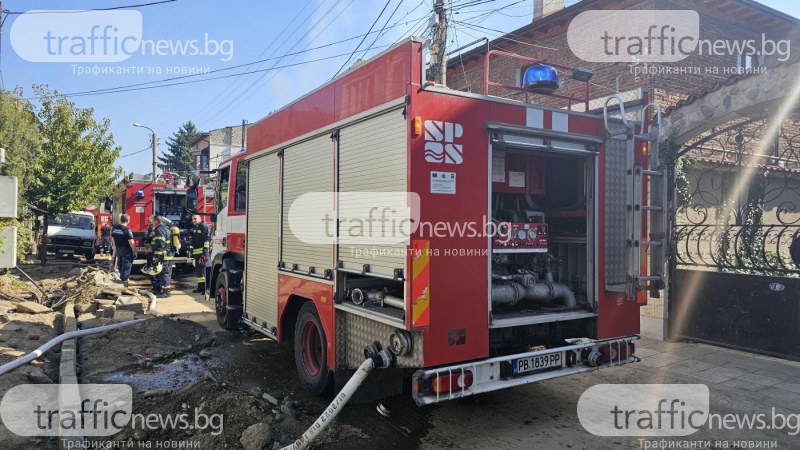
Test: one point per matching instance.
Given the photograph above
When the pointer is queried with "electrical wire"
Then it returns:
(82, 94)
(307, 50)
(381, 30)
(503, 35)
(149, 147)
(362, 40)
(140, 5)
(468, 4)
(238, 99)
(236, 84)
(460, 59)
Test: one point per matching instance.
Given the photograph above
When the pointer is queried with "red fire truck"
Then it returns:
(140, 198)
(518, 256)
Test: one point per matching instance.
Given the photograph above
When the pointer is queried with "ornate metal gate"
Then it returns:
(737, 215)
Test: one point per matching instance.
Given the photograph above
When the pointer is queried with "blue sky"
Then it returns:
(253, 30)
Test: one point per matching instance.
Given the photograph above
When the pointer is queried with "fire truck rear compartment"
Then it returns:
(170, 203)
(542, 206)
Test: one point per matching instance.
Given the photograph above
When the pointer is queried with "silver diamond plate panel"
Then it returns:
(615, 211)
(353, 333)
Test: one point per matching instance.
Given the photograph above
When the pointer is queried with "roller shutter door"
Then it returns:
(263, 240)
(372, 158)
(307, 169)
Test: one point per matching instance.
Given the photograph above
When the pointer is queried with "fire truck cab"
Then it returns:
(487, 242)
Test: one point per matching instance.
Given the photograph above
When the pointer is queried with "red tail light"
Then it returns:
(613, 352)
(452, 382)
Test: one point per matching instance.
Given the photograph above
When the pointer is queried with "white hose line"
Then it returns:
(335, 407)
(152, 306)
(21, 361)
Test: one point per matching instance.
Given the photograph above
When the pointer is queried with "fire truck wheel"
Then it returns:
(310, 350)
(224, 317)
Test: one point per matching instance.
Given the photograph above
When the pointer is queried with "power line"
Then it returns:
(455, 39)
(149, 147)
(239, 98)
(400, 22)
(93, 9)
(235, 85)
(90, 93)
(306, 50)
(502, 35)
(468, 4)
(362, 40)
(381, 30)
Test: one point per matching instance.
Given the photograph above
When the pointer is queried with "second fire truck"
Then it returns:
(140, 198)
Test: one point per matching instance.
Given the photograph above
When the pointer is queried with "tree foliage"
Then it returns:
(76, 165)
(19, 135)
(178, 157)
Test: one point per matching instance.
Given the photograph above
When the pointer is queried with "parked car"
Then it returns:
(72, 233)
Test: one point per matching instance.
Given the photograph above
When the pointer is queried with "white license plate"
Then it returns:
(538, 362)
(69, 252)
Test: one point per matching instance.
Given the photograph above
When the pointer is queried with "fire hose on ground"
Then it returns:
(374, 358)
(21, 361)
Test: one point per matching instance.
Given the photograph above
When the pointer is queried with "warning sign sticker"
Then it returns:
(443, 182)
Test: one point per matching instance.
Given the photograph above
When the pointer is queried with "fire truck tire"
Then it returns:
(224, 315)
(311, 351)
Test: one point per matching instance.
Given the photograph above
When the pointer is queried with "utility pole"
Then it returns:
(153, 144)
(439, 43)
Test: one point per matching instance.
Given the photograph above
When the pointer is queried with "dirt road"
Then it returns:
(532, 416)
(186, 363)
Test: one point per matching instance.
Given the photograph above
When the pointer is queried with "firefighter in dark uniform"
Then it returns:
(150, 268)
(201, 244)
(162, 254)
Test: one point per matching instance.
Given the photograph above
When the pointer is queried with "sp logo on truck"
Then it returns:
(440, 146)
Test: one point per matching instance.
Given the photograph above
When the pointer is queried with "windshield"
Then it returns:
(70, 220)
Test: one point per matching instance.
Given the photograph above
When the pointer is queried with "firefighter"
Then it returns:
(124, 247)
(105, 239)
(151, 268)
(201, 244)
(162, 255)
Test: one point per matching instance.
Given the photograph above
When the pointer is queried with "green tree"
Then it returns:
(76, 166)
(178, 157)
(19, 136)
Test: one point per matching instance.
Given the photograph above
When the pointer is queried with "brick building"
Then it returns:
(545, 39)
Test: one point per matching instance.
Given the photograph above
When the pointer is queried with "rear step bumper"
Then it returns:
(502, 372)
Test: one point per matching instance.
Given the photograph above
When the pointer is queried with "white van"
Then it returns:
(73, 233)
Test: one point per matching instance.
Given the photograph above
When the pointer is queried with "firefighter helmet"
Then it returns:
(152, 270)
